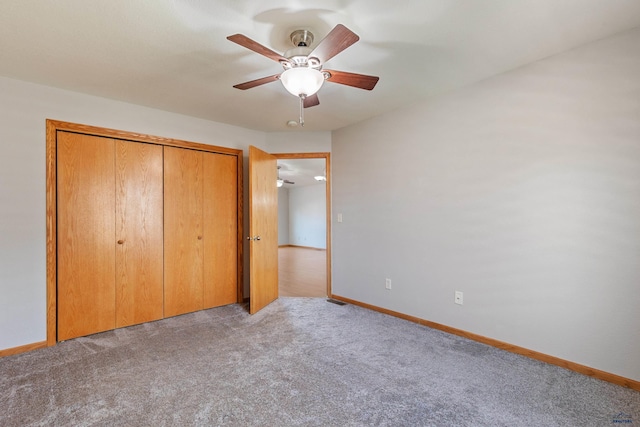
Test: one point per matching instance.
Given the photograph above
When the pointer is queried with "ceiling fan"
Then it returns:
(303, 74)
(280, 182)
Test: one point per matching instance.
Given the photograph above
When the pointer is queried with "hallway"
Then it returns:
(302, 272)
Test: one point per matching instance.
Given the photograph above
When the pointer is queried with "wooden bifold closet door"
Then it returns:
(183, 256)
(109, 234)
(220, 230)
(200, 258)
(144, 231)
(139, 230)
(86, 235)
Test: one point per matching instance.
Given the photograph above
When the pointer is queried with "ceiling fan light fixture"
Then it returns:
(320, 178)
(302, 81)
(279, 182)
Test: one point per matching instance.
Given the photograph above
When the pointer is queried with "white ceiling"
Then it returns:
(301, 171)
(173, 54)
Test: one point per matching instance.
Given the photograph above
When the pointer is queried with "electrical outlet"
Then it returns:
(458, 297)
(387, 284)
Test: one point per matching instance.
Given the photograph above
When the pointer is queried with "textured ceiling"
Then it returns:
(173, 54)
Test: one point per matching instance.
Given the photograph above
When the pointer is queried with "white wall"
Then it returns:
(298, 142)
(522, 191)
(308, 216)
(24, 107)
(283, 216)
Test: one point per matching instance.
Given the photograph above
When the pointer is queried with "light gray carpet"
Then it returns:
(299, 362)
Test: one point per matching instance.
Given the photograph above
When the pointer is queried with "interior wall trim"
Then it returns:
(572, 366)
(23, 348)
(302, 247)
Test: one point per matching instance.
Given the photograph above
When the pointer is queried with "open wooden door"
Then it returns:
(263, 229)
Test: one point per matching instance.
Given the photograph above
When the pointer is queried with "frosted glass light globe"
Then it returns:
(302, 81)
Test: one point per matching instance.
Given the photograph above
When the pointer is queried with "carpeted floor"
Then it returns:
(299, 362)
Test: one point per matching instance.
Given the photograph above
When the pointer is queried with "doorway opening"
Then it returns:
(304, 225)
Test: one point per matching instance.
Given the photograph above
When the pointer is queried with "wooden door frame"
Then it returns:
(52, 128)
(327, 163)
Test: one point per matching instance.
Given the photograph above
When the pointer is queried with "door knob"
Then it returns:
(199, 237)
(249, 238)
(120, 242)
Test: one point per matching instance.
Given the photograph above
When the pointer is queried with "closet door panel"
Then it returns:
(86, 235)
(139, 241)
(220, 229)
(183, 234)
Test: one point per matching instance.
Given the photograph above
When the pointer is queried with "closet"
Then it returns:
(147, 228)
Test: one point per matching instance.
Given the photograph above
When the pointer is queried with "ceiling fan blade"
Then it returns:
(335, 42)
(361, 81)
(286, 181)
(257, 82)
(311, 101)
(245, 41)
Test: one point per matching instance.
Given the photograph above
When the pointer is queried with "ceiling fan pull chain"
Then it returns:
(302, 97)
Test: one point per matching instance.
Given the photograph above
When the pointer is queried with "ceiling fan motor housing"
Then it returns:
(298, 56)
(302, 38)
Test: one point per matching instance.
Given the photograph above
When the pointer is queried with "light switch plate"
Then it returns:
(458, 297)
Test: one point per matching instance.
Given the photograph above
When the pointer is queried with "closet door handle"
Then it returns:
(249, 238)
(199, 237)
(120, 242)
